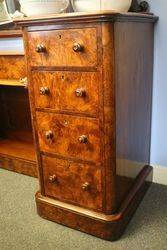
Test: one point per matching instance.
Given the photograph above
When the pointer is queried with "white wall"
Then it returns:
(159, 115)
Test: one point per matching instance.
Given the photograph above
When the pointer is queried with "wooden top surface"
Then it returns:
(11, 82)
(10, 33)
(100, 16)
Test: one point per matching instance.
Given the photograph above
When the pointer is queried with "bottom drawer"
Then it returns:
(73, 182)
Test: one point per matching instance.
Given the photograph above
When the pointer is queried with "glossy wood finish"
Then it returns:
(87, 136)
(17, 151)
(62, 91)
(13, 82)
(108, 227)
(11, 33)
(12, 67)
(18, 144)
(74, 182)
(67, 131)
(19, 165)
(85, 18)
(58, 48)
(133, 99)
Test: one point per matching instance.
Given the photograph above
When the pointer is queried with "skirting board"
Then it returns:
(159, 174)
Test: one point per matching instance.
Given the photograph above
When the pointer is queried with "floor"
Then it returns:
(21, 227)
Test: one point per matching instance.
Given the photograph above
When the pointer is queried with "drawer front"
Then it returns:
(71, 91)
(69, 136)
(72, 47)
(77, 183)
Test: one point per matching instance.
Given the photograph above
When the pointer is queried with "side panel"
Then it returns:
(134, 66)
(108, 124)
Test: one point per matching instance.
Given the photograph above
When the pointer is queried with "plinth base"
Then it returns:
(108, 227)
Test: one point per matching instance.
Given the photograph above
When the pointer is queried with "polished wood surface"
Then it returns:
(12, 67)
(82, 17)
(108, 227)
(19, 165)
(133, 99)
(66, 132)
(78, 143)
(17, 151)
(11, 33)
(18, 144)
(67, 91)
(59, 50)
(12, 82)
(74, 182)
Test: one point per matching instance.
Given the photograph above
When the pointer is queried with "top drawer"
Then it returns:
(72, 47)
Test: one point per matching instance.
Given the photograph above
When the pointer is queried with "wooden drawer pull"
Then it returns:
(83, 139)
(49, 135)
(86, 186)
(40, 48)
(77, 47)
(53, 178)
(44, 91)
(80, 92)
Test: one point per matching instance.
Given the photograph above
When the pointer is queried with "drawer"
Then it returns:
(69, 136)
(71, 91)
(72, 47)
(73, 182)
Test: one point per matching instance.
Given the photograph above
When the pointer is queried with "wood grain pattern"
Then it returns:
(59, 48)
(9, 82)
(108, 111)
(16, 110)
(66, 132)
(133, 97)
(12, 67)
(17, 151)
(70, 178)
(108, 227)
(59, 125)
(11, 33)
(18, 165)
(62, 91)
(86, 18)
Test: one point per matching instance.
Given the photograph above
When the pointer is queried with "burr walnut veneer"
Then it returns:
(17, 152)
(90, 87)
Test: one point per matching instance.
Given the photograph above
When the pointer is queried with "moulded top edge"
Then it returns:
(100, 16)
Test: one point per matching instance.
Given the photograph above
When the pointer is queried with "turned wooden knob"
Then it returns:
(77, 47)
(44, 91)
(86, 186)
(40, 48)
(80, 92)
(49, 135)
(53, 178)
(83, 139)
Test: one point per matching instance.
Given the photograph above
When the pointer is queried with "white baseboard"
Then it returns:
(160, 175)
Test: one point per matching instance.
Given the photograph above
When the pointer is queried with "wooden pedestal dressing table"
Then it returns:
(90, 87)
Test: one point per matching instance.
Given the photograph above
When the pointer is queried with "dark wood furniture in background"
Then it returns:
(90, 86)
(17, 152)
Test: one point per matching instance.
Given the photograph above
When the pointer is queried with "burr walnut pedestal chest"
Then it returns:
(90, 87)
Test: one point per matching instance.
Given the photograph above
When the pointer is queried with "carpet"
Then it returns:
(21, 227)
